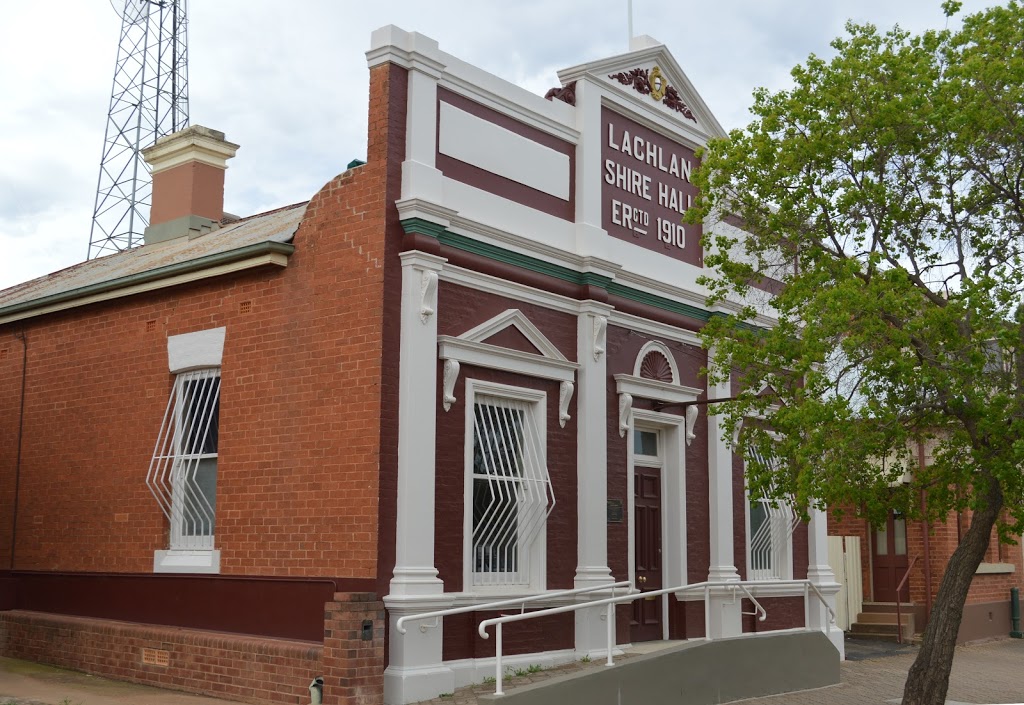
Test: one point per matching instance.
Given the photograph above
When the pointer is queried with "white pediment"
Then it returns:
(514, 318)
(631, 75)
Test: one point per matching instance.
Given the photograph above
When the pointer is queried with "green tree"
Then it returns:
(876, 287)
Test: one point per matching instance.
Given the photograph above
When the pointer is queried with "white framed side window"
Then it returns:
(770, 526)
(183, 472)
(508, 489)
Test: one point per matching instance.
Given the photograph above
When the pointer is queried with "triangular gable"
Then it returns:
(625, 73)
(511, 337)
(514, 318)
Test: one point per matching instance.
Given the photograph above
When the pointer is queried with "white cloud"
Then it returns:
(288, 81)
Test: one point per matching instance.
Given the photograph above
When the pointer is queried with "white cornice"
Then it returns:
(653, 389)
(491, 356)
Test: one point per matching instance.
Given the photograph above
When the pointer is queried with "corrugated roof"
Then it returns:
(275, 226)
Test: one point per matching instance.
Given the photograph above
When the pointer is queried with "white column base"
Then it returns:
(415, 582)
(725, 609)
(592, 632)
(413, 685)
(415, 669)
(592, 576)
(726, 617)
(819, 617)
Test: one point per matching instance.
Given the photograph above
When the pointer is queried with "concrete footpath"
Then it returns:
(25, 683)
(992, 672)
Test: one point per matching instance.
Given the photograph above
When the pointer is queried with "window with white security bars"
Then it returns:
(183, 472)
(770, 534)
(510, 492)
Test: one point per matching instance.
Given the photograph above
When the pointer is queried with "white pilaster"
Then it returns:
(820, 574)
(592, 467)
(725, 612)
(415, 670)
(417, 393)
(420, 177)
(590, 236)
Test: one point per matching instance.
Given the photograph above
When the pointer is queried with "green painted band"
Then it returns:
(500, 254)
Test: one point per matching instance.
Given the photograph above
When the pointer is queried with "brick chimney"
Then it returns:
(188, 183)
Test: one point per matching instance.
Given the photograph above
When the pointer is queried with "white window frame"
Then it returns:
(672, 458)
(173, 468)
(782, 522)
(536, 555)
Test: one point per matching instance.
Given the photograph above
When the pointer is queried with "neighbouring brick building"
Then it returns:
(910, 556)
(465, 370)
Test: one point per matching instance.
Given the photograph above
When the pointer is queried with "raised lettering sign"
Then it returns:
(646, 187)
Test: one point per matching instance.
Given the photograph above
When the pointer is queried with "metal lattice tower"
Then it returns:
(149, 100)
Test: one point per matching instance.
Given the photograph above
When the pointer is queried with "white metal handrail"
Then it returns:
(522, 601)
(757, 605)
(610, 603)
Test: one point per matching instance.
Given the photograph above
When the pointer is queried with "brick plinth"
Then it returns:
(353, 656)
(230, 666)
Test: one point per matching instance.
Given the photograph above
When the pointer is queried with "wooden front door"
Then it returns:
(889, 559)
(645, 624)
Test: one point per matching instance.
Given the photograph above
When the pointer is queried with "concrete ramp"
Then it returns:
(695, 673)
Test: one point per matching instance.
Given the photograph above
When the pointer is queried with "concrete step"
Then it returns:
(883, 617)
(874, 637)
(886, 607)
(874, 630)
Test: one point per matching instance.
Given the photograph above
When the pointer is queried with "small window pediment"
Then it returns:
(514, 325)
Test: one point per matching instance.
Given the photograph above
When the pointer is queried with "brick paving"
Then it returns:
(990, 672)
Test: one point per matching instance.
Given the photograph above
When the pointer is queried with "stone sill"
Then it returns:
(995, 568)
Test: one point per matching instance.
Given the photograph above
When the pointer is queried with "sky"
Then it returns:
(287, 80)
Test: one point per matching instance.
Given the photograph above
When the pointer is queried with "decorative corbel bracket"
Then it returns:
(736, 434)
(428, 295)
(600, 336)
(565, 390)
(625, 413)
(451, 376)
(691, 418)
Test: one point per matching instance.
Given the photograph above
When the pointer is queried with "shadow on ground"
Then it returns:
(863, 649)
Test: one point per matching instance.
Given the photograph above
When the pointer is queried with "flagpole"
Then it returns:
(629, 9)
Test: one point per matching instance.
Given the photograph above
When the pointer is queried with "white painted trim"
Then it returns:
(498, 150)
(485, 355)
(653, 389)
(515, 318)
(196, 350)
(538, 552)
(995, 568)
(657, 346)
(787, 557)
(502, 287)
(672, 455)
(181, 561)
(275, 258)
(654, 328)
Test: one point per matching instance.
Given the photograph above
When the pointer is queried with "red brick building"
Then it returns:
(909, 557)
(464, 371)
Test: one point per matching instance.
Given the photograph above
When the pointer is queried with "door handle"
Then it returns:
(642, 579)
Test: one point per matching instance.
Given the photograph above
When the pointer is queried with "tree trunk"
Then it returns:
(928, 679)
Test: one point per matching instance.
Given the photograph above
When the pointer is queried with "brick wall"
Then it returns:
(229, 666)
(221, 665)
(989, 593)
(301, 401)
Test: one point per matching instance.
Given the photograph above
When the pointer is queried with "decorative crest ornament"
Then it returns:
(658, 84)
(654, 84)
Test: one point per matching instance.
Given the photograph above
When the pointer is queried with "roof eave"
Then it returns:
(261, 254)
